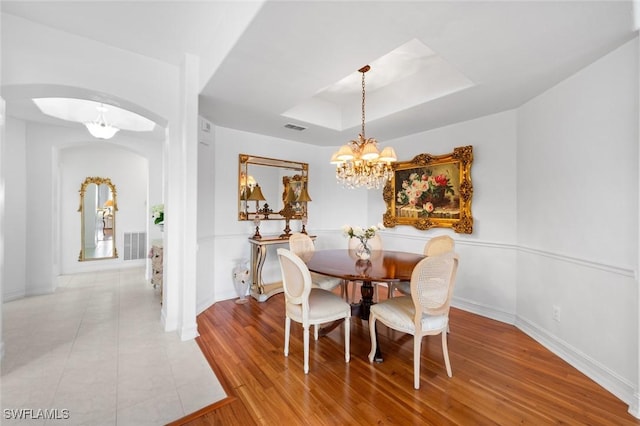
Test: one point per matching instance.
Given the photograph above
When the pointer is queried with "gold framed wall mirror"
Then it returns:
(272, 189)
(98, 207)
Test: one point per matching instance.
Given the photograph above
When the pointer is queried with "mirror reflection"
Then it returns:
(271, 189)
(97, 209)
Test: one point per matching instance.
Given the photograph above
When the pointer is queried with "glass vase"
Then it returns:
(363, 251)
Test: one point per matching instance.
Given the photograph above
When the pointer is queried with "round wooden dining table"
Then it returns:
(383, 266)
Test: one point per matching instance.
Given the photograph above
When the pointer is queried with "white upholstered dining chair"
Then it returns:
(433, 247)
(425, 312)
(302, 245)
(309, 306)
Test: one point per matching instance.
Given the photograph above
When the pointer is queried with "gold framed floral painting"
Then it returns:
(432, 191)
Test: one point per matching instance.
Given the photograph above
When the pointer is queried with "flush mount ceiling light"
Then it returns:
(83, 111)
(359, 162)
(99, 128)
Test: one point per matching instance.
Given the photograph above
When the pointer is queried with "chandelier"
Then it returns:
(99, 128)
(359, 163)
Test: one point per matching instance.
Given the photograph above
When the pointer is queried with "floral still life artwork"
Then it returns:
(422, 192)
(432, 191)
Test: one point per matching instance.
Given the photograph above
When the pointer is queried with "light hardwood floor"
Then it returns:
(500, 376)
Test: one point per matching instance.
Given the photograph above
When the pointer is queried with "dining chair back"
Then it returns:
(302, 245)
(308, 306)
(438, 245)
(435, 246)
(425, 312)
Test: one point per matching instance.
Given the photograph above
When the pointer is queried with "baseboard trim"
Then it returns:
(189, 332)
(15, 295)
(612, 382)
(483, 310)
(634, 407)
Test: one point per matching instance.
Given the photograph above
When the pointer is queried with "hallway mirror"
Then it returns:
(97, 209)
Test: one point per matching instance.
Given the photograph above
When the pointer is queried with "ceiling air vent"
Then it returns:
(294, 127)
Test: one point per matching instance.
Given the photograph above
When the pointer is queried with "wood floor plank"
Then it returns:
(500, 376)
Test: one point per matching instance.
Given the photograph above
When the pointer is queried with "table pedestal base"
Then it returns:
(361, 310)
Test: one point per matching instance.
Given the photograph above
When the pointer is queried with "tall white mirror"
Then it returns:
(97, 209)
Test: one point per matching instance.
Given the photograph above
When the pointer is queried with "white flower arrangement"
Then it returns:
(157, 214)
(363, 234)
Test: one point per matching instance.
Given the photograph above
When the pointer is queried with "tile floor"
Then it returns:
(96, 348)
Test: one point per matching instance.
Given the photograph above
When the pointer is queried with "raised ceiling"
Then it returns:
(278, 70)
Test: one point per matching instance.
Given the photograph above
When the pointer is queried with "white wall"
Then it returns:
(555, 195)
(231, 236)
(47, 166)
(578, 219)
(15, 218)
(205, 291)
(3, 120)
(330, 209)
(35, 54)
(554, 206)
(486, 276)
(40, 61)
(128, 173)
(491, 293)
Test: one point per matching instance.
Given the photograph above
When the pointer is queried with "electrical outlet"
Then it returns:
(556, 313)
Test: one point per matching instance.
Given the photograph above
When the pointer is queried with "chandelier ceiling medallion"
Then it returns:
(99, 128)
(359, 163)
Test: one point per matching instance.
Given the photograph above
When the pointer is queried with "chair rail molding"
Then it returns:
(625, 271)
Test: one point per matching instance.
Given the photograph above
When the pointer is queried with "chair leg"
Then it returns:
(417, 340)
(287, 331)
(445, 352)
(372, 333)
(306, 348)
(316, 327)
(347, 339)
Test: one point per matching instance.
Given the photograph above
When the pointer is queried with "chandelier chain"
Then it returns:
(359, 163)
(363, 95)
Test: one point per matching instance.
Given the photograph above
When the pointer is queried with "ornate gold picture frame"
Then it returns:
(431, 191)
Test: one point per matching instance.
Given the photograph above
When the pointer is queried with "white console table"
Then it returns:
(260, 290)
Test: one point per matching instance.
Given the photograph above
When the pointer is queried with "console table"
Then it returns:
(260, 290)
